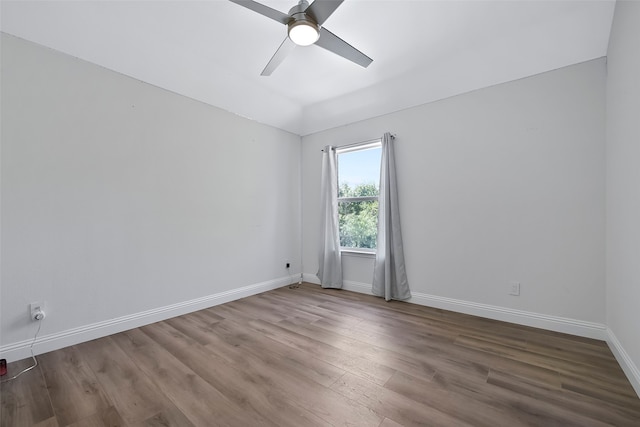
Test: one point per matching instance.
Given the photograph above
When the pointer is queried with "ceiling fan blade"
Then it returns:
(276, 15)
(285, 49)
(320, 10)
(335, 44)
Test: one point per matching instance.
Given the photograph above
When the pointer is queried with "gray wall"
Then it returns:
(498, 185)
(623, 185)
(119, 197)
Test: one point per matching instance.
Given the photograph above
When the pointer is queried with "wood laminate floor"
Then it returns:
(314, 357)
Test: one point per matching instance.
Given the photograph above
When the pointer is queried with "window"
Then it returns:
(358, 189)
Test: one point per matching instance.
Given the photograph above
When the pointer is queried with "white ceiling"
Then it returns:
(422, 50)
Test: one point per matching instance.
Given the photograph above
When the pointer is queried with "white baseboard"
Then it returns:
(519, 317)
(630, 369)
(527, 318)
(310, 278)
(55, 341)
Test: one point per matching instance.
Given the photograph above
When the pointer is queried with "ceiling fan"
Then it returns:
(304, 28)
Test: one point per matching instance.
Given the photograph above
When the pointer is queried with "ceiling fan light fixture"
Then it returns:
(304, 32)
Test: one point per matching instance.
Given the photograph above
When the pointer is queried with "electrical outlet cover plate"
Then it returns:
(515, 288)
(35, 307)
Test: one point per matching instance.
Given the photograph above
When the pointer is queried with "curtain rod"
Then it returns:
(355, 144)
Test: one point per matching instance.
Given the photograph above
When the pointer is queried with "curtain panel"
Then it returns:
(329, 258)
(389, 276)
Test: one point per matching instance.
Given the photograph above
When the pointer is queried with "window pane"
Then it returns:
(358, 224)
(359, 173)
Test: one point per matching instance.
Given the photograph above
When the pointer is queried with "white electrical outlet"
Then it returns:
(37, 310)
(515, 289)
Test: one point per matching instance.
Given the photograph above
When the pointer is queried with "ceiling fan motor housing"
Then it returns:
(299, 8)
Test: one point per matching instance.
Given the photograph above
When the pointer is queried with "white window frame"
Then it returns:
(375, 143)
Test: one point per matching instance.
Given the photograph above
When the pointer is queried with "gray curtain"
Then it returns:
(389, 276)
(329, 259)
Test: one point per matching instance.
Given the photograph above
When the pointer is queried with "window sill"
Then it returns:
(357, 253)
